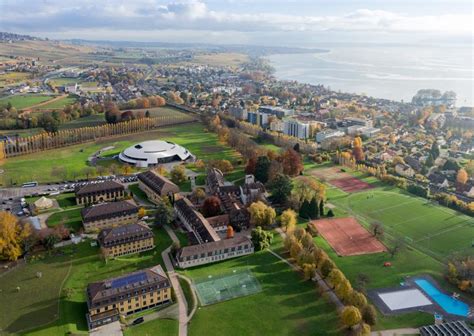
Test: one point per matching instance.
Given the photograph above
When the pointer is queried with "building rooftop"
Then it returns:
(188, 251)
(108, 210)
(124, 233)
(92, 188)
(154, 180)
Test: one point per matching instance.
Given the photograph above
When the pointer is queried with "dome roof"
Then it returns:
(154, 152)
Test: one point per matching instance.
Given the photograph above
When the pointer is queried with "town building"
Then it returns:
(109, 299)
(154, 152)
(155, 186)
(126, 239)
(194, 221)
(106, 215)
(276, 111)
(404, 170)
(352, 121)
(327, 134)
(257, 118)
(298, 128)
(92, 193)
(194, 255)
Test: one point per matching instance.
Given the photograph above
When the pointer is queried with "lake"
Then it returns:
(395, 72)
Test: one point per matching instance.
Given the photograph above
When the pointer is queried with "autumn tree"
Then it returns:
(261, 239)
(291, 162)
(261, 214)
(198, 194)
(335, 277)
(327, 265)
(308, 271)
(178, 174)
(230, 232)
(307, 241)
(211, 206)
(164, 213)
(12, 235)
(462, 177)
(357, 299)
(251, 164)
(280, 188)
(351, 316)
(141, 212)
(344, 290)
(224, 166)
(288, 220)
(369, 314)
(357, 150)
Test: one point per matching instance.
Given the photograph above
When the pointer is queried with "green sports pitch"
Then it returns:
(214, 289)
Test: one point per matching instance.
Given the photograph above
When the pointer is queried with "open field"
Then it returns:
(158, 111)
(36, 303)
(86, 266)
(339, 178)
(221, 59)
(74, 158)
(89, 121)
(287, 305)
(347, 237)
(24, 101)
(58, 104)
(62, 81)
(13, 77)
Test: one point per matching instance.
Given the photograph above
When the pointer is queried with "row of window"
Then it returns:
(218, 252)
(215, 258)
(129, 301)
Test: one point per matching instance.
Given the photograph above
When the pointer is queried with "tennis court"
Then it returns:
(223, 287)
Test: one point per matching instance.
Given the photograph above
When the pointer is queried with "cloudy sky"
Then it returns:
(271, 22)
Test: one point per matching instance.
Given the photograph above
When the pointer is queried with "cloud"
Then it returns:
(155, 15)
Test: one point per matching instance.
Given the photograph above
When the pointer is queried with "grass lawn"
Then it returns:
(73, 158)
(24, 101)
(88, 266)
(162, 327)
(159, 111)
(286, 306)
(70, 218)
(37, 301)
(58, 104)
(187, 294)
(62, 81)
(89, 121)
(135, 189)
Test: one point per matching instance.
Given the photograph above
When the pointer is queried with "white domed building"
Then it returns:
(154, 152)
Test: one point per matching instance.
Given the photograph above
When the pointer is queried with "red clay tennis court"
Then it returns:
(350, 184)
(347, 237)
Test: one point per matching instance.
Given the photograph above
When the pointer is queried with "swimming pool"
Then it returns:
(449, 304)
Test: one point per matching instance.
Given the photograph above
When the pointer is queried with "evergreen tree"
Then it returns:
(261, 169)
(321, 208)
(304, 209)
(434, 150)
(313, 209)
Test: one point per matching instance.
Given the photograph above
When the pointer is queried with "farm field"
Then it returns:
(286, 306)
(62, 81)
(158, 111)
(220, 59)
(74, 158)
(23, 101)
(11, 78)
(86, 266)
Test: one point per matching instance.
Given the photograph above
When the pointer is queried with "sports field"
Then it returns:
(347, 237)
(213, 289)
(435, 229)
(341, 179)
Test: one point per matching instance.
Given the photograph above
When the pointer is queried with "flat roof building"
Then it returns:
(154, 152)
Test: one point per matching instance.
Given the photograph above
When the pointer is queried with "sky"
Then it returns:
(267, 22)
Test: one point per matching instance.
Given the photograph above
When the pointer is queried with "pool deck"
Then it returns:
(410, 284)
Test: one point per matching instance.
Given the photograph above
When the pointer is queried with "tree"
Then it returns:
(178, 174)
(395, 247)
(307, 241)
(261, 214)
(88, 171)
(344, 290)
(462, 177)
(12, 235)
(288, 220)
(261, 169)
(330, 213)
(321, 208)
(326, 267)
(261, 239)
(429, 161)
(351, 316)
(141, 212)
(280, 188)
(295, 249)
(308, 271)
(51, 240)
(211, 206)
(313, 209)
(292, 163)
(49, 124)
(199, 194)
(377, 229)
(305, 210)
(223, 165)
(434, 150)
(251, 165)
(164, 213)
(357, 299)
(335, 277)
(369, 314)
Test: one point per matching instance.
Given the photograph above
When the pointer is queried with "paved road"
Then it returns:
(182, 304)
